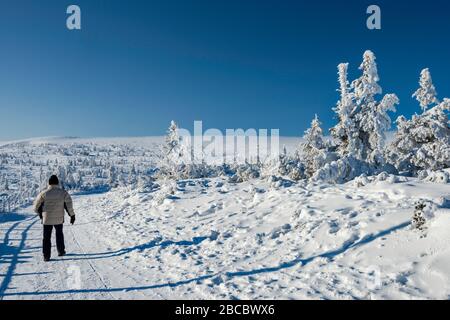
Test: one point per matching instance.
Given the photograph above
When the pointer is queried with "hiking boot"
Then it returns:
(60, 254)
(46, 259)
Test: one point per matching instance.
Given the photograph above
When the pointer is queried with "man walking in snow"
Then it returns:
(50, 206)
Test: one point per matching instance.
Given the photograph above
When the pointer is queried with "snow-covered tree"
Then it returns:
(344, 133)
(366, 87)
(313, 148)
(362, 120)
(112, 176)
(171, 151)
(177, 154)
(377, 124)
(433, 136)
(281, 164)
(371, 116)
(172, 144)
(426, 94)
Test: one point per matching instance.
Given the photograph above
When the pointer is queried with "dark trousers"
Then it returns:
(47, 242)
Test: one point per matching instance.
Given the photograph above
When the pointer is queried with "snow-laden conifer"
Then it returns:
(426, 94)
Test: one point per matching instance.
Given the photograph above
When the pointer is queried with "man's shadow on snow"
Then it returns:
(152, 244)
(330, 254)
(12, 255)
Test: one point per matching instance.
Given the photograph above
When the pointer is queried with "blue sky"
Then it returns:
(136, 64)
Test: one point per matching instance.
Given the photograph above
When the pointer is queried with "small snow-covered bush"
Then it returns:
(292, 168)
(146, 185)
(279, 182)
(361, 181)
(424, 210)
(418, 219)
(444, 202)
(166, 191)
(342, 170)
(383, 176)
(390, 178)
(286, 165)
(245, 172)
(297, 173)
(441, 176)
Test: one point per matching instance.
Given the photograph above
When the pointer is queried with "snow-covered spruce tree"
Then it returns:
(372, 120)
(377, 124)
(112, 180)
(423, 143)
(177, 154)
(282, 164)
(172, 139)
(313, 148)
(344, 133)
(426, 94)
(172, 153)
(434, 137)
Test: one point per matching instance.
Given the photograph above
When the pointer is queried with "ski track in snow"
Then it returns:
(213, 239)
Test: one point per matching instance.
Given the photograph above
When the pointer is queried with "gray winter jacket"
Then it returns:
(53, 201)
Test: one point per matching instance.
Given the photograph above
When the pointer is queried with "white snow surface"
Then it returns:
(211, 239)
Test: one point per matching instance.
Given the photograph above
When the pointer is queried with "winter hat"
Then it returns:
(53, 181)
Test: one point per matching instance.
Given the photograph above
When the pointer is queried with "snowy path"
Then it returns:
(211, 239)
(26, 276)
(103, 273)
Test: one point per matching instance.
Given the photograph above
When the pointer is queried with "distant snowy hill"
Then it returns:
(96, 140)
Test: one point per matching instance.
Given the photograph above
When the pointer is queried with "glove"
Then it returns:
(72, 219)
(40, 210)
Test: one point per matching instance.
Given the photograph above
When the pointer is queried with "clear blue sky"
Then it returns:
(135, 65)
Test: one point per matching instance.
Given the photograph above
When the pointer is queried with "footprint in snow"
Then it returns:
(223, 190)
(341, 210)
(334, 227)
(353, 214)
(352, 224)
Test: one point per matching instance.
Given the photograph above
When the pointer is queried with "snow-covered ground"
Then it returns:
(208, 239)
(83, 164)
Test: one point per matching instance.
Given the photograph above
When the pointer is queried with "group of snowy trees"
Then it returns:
(358, 143)
(424, 141)
(86, 167)
(313, 149)
(358, 140)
